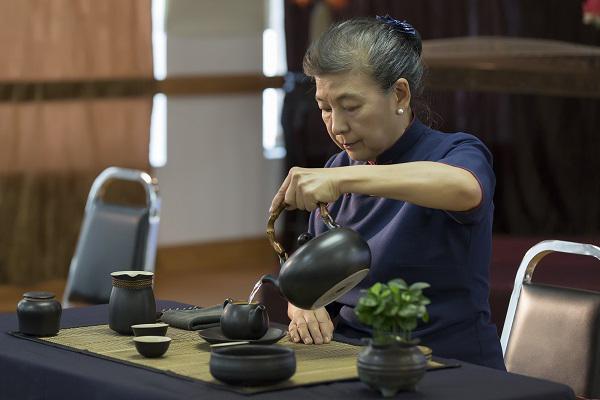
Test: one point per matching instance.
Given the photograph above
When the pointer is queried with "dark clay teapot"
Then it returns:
(324, 268)
(244, 321)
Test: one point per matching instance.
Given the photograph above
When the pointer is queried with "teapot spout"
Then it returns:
(270, 279)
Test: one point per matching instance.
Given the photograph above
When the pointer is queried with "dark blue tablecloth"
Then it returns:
(30, 370)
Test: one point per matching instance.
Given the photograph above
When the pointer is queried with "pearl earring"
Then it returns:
(400, 111)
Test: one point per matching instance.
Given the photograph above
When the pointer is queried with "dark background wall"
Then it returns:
(545, 148)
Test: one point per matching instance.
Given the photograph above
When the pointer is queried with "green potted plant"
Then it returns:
(392, 361)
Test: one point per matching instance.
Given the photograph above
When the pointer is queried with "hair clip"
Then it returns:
(400, 26)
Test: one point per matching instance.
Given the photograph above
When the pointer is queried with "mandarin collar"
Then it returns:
(409, 138)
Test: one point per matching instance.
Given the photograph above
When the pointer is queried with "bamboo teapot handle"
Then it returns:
(283, 256)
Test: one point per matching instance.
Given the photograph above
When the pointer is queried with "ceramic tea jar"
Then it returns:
(39, 314)
(244, 321)
(391, 367)
(131, 301)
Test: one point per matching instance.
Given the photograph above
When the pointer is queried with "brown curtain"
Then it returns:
(548, 172)
(50, 151)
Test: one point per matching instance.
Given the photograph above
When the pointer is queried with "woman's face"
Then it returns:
(359, 116)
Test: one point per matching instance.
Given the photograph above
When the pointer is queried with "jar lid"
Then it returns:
(39, 295)
(131, 274)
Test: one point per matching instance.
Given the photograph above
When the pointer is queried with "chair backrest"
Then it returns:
(113, 237)
(553, 332)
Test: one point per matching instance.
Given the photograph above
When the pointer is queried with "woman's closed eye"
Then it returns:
(352, 108)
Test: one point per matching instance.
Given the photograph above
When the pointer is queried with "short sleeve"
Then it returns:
(469, 153)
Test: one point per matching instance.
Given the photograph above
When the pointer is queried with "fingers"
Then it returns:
(299, 195)
(313, 328)
(290, 190)
(303, 331)
(325, 324)
(293, 331)
(280, 195)
(309, 326)
(310, 204)
(303, 188)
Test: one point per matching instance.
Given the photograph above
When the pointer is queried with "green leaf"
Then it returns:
(408, 324)
(392, 311)
(376, 288)
(419, 286)
(379, 309)
(393, 308)
(368, 301)
(408, 311)
(399, 283)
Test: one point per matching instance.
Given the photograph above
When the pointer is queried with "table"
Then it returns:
(30, 370)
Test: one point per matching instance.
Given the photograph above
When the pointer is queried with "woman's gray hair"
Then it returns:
(370, 46)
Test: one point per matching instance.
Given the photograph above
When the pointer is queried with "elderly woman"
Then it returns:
(421, 198)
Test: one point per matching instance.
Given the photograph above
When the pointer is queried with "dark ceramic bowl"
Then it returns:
(253, 365)
(157, 329)
(152, 346)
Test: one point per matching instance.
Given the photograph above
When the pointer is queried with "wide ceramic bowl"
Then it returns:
(156, 329)
(252, 365)
(152, 346)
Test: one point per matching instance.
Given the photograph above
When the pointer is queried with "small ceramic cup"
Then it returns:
(156, 329)
(152, 346)
(243, 320)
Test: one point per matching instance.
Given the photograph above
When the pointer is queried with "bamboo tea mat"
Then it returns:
(188, 356)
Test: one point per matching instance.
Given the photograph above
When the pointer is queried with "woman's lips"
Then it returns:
(350, 145)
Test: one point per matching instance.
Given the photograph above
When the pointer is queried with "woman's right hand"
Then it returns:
(305, 188)
(309, 326)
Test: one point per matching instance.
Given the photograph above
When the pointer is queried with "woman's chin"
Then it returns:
(358, 155)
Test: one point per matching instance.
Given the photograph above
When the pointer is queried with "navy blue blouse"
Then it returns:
(450, 250)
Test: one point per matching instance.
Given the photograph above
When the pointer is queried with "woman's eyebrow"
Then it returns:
(343, 96)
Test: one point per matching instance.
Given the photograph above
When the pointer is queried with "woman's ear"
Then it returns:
(402, 93)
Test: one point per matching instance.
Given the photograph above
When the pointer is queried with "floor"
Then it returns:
(192, 287)
(199, 275)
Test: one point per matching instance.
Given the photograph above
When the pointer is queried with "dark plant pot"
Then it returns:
(39, 314)
(392, 367)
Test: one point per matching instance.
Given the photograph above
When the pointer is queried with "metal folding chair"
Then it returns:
(553, 332)
(113, 237)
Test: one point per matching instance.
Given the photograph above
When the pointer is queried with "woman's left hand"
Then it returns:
(303, 188)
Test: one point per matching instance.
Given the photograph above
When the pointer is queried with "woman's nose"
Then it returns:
(338, 124)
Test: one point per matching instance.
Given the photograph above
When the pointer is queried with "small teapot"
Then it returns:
(245, 321)
(324, 268)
